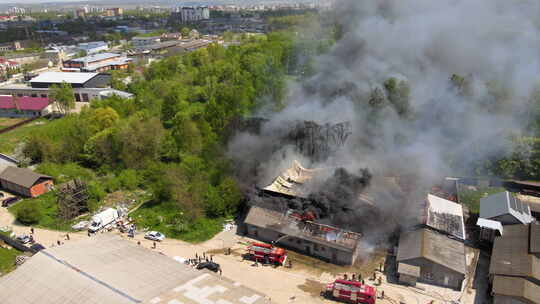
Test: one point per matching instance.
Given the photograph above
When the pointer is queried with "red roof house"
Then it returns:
(22, 106)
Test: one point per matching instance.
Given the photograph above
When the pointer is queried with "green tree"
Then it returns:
(185, 32)
(29, 213)
(63, 96)
(81, 53)
(398, 93)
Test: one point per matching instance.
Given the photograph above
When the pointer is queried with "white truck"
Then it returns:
(102, 219)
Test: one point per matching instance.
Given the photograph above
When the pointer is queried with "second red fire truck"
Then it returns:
(350, 292)
(266, 253)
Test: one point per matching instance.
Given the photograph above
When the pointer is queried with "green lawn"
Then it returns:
(48, 209)
(165, 218)
(471, 198)
(7, 259)
(9, 140)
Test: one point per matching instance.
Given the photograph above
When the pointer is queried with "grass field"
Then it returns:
(48, 208)
(164, 217)
(6, 122)
(470, 196)
(7, 259)
(9, 140)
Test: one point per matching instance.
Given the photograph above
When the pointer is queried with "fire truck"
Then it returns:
(350, 292)
(266, 253)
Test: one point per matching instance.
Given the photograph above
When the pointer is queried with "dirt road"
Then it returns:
(301, 284)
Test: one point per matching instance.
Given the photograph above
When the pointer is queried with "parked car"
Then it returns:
(25, 239)
(154, 236)
(10, 201)
(208, 265)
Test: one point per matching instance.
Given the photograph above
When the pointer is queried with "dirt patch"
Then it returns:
(312, 287)
(236, 252)
(364, 266)
(129, 199)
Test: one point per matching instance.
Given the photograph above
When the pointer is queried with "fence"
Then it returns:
(13, 243)
(18, 125)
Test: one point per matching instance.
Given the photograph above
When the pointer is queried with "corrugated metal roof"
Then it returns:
(517, 288)
(108, 269)
(491, 224)
(504, 203)
(433, 246)
(21, 176)
(445, 215)
(59, 77)
(96, 57)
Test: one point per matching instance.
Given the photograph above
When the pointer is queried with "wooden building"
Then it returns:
(25, 182)
(436, 259)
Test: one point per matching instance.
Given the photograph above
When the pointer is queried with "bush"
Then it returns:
(29, 214)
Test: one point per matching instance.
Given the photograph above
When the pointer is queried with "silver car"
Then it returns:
(154, 236)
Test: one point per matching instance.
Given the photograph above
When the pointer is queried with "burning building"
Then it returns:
(287, 212)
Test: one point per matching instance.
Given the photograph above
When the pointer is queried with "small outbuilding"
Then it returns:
(505, 208)
(434, 258)
(489, 229)
(25, 182)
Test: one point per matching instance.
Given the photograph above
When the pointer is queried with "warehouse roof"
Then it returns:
(510, 255)
(108, 269)
(516, 287)
(446, 216)
(433, 246)
(21, 176)
(96, 57)
(59, 77)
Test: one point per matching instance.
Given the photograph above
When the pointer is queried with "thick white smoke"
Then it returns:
(494, 44)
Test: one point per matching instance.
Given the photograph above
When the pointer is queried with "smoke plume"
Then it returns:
(445, 126)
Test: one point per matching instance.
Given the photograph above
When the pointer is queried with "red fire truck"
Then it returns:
(266, 253)
(350, 292)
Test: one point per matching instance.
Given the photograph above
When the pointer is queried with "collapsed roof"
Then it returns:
(317, 233)
(291, 181)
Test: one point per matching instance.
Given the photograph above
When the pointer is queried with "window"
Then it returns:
(315, 247)
(77, 97)
(34, 95)
(43, 95)
(428, 276)
(85, 97)
(19, 95)
(298, 241)
(323, 248)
